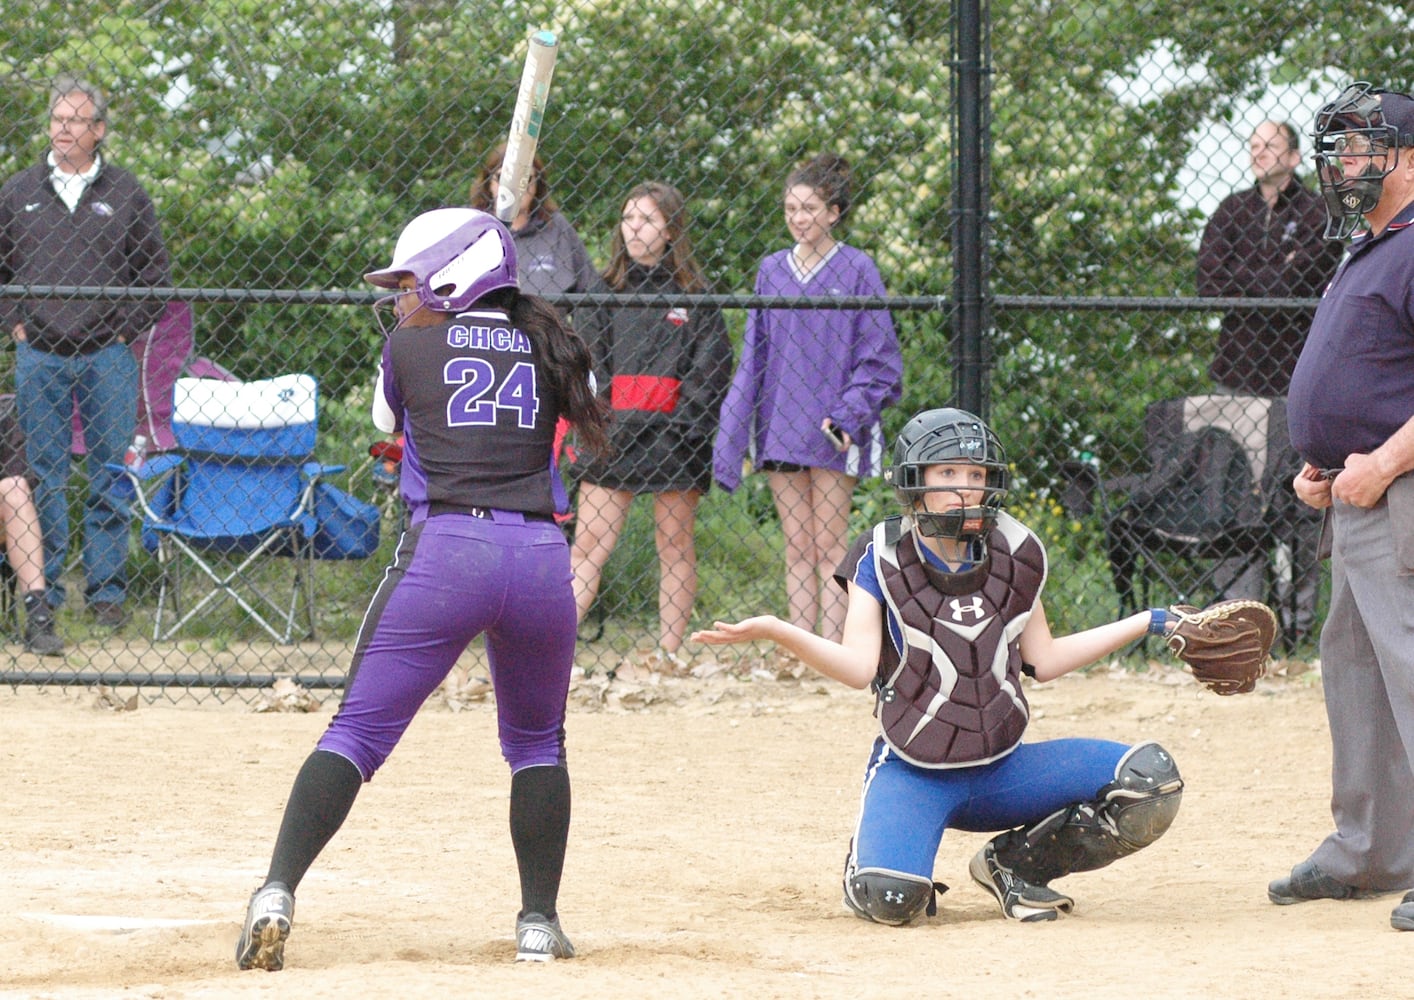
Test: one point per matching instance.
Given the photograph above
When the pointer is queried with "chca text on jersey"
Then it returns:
(487, 338)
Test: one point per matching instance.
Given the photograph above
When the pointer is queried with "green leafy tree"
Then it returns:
(285, 144)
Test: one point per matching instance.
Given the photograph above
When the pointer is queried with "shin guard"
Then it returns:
(1129, 813)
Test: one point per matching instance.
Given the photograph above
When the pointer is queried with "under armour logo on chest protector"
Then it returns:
(972, 607)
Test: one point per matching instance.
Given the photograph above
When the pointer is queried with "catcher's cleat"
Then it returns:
(267, 925)
(1402, 919)
(539, 939)
(1307, 882)
(1019, 899)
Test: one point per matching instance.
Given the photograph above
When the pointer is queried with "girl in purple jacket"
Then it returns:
(804, 404)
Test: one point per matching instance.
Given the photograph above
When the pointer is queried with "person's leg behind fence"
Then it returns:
(107, 397)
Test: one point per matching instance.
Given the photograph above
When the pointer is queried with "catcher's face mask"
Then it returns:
(1355, 150)
(958, 440)
(955, 500)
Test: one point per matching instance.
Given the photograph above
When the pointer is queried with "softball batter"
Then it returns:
(475, 374)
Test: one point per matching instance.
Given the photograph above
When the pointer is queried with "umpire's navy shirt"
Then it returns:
(1354, 384)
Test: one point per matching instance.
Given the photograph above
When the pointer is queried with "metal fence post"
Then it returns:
(970, 154)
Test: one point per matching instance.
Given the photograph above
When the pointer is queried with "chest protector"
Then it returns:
(950, 695)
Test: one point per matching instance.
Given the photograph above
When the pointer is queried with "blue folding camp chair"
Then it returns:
(240, 488)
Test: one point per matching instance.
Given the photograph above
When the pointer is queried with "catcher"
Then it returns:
(944, 616)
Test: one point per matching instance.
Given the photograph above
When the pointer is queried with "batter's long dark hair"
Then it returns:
(565, 362)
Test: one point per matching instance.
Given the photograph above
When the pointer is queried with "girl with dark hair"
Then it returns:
(806, 399)
(550, 256)
(665, 367)
(475, 374)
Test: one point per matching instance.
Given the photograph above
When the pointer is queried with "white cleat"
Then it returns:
(539, 939)
(267, 925)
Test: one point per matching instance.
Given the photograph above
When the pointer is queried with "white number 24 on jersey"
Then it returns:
(478, 398)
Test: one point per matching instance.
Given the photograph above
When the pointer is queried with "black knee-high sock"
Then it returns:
(324, 791)
(540, 828)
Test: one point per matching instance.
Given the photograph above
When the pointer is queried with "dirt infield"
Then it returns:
(711, 822)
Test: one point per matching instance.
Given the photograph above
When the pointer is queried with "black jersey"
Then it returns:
(479, 421)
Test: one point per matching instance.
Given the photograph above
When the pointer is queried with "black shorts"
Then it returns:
(13, 463)
(652, 459)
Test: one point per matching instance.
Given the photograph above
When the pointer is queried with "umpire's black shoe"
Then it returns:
(1402, 919)
(1307, 882)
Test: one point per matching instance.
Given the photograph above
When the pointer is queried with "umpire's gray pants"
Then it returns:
(1367, 668)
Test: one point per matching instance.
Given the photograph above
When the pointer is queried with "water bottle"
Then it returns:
(136, 454)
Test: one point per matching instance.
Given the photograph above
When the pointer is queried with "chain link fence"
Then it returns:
(284, 145)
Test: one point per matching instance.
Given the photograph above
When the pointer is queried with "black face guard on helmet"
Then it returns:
(948, 436)
(1352, 128)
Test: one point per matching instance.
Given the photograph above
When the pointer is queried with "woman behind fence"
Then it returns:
(475, 374)
(665, 366)
(550, 256)
(806, 398)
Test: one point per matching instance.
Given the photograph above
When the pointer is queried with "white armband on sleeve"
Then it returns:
(383, 417)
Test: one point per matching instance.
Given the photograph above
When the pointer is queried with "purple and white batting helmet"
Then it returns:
(456, 255)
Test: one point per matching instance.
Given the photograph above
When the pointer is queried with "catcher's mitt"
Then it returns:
(1226, 644)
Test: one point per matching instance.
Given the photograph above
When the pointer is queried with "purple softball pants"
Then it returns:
(456, 576)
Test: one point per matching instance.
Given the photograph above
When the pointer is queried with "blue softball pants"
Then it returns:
(906, 808)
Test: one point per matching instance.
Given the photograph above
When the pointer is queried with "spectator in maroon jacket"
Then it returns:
(1267, 241)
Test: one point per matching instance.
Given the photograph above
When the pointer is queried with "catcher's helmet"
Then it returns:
(1365, 125)
(456, 255)
(948, 436)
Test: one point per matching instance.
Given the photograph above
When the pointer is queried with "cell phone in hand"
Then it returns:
(836, 436)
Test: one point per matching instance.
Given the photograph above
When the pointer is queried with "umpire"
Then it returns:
(1351, 414)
